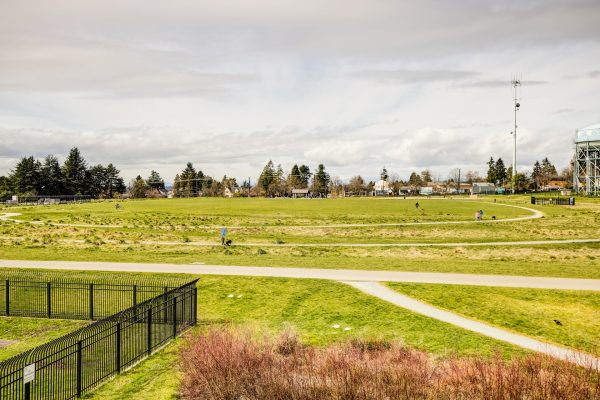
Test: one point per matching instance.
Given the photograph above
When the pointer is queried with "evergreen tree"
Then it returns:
(548, 171)
(536, 174)
(384, 174)
(52, 176)
(500, 170)
(189, 184)
(25, 178)
(115, 183)
(304, 175)
(155, 181)
(267, 176)
(491, 174)
(75, 173)
(5, 187)
(321, 180)
(177, 186)
(294, 181)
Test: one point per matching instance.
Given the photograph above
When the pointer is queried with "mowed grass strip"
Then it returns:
(26, 333)
(564, 261)
(527, 311)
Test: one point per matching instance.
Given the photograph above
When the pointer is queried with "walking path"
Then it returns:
(316, 273)
(534, 215)
(382, 292)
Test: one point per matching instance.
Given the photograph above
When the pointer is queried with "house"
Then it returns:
(382, 188)
(300, 193)
(483, 188)
(227, 193)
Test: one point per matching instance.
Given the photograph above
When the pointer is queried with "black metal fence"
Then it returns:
(561, 201)
(72, 300)
(78, 362)
(54, 199)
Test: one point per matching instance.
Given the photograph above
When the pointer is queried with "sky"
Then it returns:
(355, 85)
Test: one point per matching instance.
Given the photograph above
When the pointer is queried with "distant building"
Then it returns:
(382, 188)
(483, 188)
(227, 193)
(300, 193)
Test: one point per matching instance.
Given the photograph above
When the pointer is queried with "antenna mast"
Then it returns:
(515, 84)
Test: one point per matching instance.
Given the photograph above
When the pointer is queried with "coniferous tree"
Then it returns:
(321, 180)
(52, 176)
(415, 180)
(25, 178)
(75, 173)
(384, 174)
(304, 175)
(293, 180)
(189, 184)
(266, 179)
(138, 188)
(155, 181)
(491, 174)
(536, 174)
(500, 170)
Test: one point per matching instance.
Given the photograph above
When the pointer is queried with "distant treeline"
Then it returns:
(74, 177)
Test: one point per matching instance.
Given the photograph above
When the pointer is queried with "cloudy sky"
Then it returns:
(355, 85)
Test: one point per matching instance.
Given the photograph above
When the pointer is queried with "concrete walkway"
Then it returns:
(382, 292)
(316, 273)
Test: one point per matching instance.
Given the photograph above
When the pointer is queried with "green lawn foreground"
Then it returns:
(527, 311)
(311, 307)
(28, 333)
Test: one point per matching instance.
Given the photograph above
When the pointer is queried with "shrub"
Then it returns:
(227, 364)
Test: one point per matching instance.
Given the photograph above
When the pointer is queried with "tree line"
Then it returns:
(31, 177)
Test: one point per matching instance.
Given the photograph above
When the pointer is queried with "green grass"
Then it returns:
(527, 311)
(182, 222)
(31, 332)
(312, 307)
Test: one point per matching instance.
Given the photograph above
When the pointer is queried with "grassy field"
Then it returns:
(527, 311)
(312, 307)
(186, 231)
(27, 333)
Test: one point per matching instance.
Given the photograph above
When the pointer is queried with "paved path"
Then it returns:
(382, 292)
(315, 273)
(534, 215)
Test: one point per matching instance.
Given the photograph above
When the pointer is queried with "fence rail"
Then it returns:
(72, 300)
(76, 363)
(561, 201)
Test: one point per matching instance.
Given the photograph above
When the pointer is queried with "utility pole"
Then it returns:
(458, 187)
(515, 84)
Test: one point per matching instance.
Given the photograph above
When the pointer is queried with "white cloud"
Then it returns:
(230, 85)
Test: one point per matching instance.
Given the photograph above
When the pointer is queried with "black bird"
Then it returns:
(557, 322)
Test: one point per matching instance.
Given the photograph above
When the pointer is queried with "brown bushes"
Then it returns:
(225, 364)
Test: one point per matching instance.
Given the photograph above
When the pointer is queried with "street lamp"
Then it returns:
(515, 83)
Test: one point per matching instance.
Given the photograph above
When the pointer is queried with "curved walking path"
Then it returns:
(367, 281)
(384, 293)
(316, 273)
(534, 215)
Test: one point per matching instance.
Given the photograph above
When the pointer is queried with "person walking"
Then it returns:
(223, 235)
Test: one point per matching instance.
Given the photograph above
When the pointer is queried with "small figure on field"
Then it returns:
(117, 206)
(479, 215)
(557, 322)
(223, 235)
(417, 205)
(493, 217)
(228, 242)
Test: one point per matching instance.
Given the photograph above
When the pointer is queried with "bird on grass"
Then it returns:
(557, 322)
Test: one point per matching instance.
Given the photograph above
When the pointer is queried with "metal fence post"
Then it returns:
(7, 297)
(165, 308)
(174, 316)
(149, 330)
(118, 361)
(27, 391)
(91, 290)
(195, 306)
(135, 295)
(79, 369)
(48, 300)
